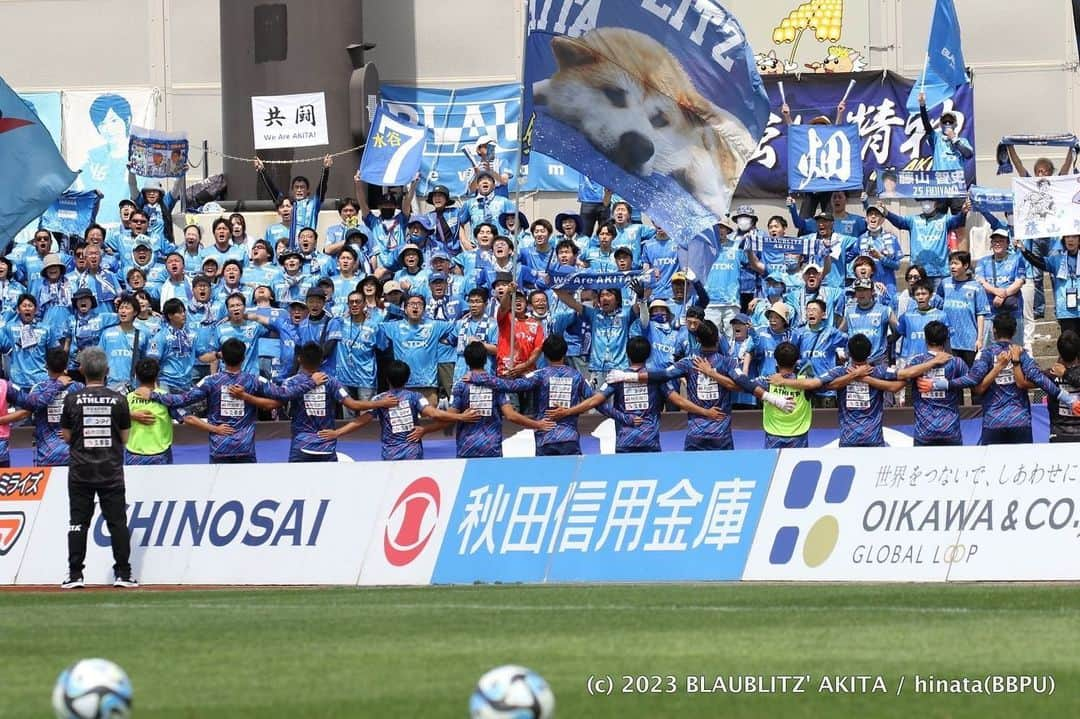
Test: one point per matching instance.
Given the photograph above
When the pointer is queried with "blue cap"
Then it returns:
(422, 220)
(741, 317)
(440, 255)
(437, 277)
(778, 277)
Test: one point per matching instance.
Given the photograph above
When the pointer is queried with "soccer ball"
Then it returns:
(92, 689)
(512, 692)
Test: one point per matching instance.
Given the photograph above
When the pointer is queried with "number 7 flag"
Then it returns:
(393, 151)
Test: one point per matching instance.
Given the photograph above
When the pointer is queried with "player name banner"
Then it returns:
(157, 153)
(1046, 206)
(932, 515)
(920, 184)
(891, 137)
(284, 121)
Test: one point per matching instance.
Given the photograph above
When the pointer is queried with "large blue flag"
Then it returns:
(824, 158)
(663, 107)
(32, 172)
(945, 69)
(393, 151)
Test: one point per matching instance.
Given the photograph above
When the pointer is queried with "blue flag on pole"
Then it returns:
(945, 69)
(32, 172)
(393, 151)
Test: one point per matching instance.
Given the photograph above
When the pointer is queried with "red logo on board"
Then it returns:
(411, 521)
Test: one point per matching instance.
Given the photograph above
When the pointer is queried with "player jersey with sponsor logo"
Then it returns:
(46, 401)
(706, 392)
(636, 399)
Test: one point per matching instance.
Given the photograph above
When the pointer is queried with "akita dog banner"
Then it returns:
(661, 103)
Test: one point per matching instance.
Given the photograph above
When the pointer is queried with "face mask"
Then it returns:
(586, 303)
(928, 207)
(659, 318)
(745, 224)
(773, 294)
(387, 213)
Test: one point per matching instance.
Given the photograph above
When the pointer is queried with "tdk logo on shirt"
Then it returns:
(820, 539)
(175, 523)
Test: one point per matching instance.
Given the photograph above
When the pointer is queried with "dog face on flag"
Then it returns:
(635, 103)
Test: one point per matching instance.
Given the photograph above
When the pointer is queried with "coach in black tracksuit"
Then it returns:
(95, 423)
(1064, 425)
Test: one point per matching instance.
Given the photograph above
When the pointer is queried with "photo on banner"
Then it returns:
(157, 153)
(457, 120)
(1046, 206)
(920, 184)
(665, 113)
(97, 127)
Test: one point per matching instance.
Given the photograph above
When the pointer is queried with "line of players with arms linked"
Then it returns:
(394, 282)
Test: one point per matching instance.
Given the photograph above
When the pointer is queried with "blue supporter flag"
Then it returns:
(824, 158)
(72, 212)
(945, 70)
(393, 151)
(32, 172)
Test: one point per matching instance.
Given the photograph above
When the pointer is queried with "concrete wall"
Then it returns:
(1023, 55)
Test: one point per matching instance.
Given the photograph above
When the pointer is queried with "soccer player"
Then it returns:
(230, 421)
(94, 423)
(937, 419)
(315, 399)
(860, 389)
(1006, 405)
(635, 405)
(46, 400)
(708, 400)
(1064, 425)
(150, 438)
(556, 386)
(401, 437)
(483, 438)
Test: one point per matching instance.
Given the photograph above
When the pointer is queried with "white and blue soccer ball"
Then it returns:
(92, 689)
(512, 692)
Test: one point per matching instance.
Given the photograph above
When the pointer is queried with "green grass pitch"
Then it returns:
(418, 652)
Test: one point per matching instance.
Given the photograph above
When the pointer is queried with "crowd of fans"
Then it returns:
(467, 312)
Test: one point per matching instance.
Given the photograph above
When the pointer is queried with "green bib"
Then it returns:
(779, 424)
(149, 438)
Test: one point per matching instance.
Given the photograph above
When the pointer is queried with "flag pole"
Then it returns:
(517, 166)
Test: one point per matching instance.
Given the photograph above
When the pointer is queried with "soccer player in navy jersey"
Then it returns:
(483, 438)
(555, 385)
(635, 405)
(401, 435)
(860, 389)
(313, 409)
(937, 417)
(230, 420)
(46, 401)
(1006, 405)
(708, 400)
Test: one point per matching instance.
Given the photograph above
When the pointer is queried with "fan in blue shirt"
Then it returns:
(928, 236)
(610, 323)
(174, 348)
(1002, 274)
(950, 150)
(964, 302)
(869, 318)
(818, 344)
(911, 326)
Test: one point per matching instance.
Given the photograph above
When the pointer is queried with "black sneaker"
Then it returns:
(125, 581)
(73, 581)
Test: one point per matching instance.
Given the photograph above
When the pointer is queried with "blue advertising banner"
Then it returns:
(663, 107)
(72, 212)
(824, 158)
(919, 184)
(568, 519)
(891, 137)
(457, 119)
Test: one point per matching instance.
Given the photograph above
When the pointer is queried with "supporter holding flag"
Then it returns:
(1005, 400)
(158, 204)
(401, 436)
(723, 281)
(844, 222)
